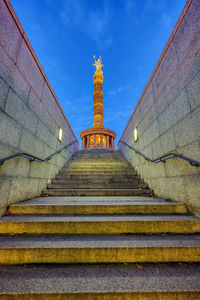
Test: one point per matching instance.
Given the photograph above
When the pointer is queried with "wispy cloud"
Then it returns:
(112, 116)
(138, 10)
(166, 21)
(93, 21)
(123, 89)
(130, 6)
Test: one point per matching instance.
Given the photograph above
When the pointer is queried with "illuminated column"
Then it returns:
(112, 139)
(98, 96)
(101, 141)
(88, 142)
(98, 136)
(107, 141)
(83, 142)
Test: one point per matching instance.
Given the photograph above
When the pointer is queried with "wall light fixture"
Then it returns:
(60, 134)
(135, 135)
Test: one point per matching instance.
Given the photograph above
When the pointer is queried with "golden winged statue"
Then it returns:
(98, 64)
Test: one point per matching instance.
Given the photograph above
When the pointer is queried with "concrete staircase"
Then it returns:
(97, 173)
(99, 233)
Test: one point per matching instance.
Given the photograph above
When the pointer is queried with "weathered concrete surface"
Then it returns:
(30, 116)
(167, 116)
(160, 281)
(137, 295)
(99, 249)
(80, 206)
(98, 225)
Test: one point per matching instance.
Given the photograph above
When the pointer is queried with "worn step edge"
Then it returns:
(99, 255)
(98, 193)
(99, 227)
(95, 186)
(118, 295)
(98, 209)
(92, 192)
(97, 180)
(101, 176)
(100, 171)
(85, 183)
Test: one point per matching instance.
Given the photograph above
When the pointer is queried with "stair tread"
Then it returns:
(97, 218)
(66, 202)
(93, 189)
(107, 199)
(101, 278)
(103, 241)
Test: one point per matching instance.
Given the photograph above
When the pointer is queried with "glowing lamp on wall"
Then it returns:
(135, 135)
(60, 134)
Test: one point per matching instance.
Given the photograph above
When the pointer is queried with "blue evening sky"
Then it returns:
(129, 35)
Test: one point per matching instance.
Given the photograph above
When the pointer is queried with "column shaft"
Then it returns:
(107, 141)
(88, 141)
(112, 142)
(101, 145)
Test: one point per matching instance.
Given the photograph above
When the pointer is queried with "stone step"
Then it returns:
(98, 224)
(91, 177)
(98, 180)
(91, 162)
(101, 282)
(98, 161)
(97, 168)
(103, 158)
(96, 192)
(80, 206)
(98, 152)
(115, 156)
(97, 172)
(95, 185)
(105, 162)
(99, 249)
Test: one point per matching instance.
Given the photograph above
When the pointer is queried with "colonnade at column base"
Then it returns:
(98, 139)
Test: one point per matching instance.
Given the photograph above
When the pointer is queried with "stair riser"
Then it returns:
(95, 185)
(93, 178)
(91, 164)
(137, 295)
(97, 163)
(98, 255)
(98, 167)
(110, 155)
(96, 172)
(100, 227)
(95, 193)
(102, 180)
(98, 210)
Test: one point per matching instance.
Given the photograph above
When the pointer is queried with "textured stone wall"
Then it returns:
(168, 115)
(30, 116)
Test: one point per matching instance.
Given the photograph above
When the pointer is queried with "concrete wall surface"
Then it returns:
(167, 116)
(30, 116)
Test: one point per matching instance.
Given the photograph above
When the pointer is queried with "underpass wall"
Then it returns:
(167, 116)
(30, 116)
